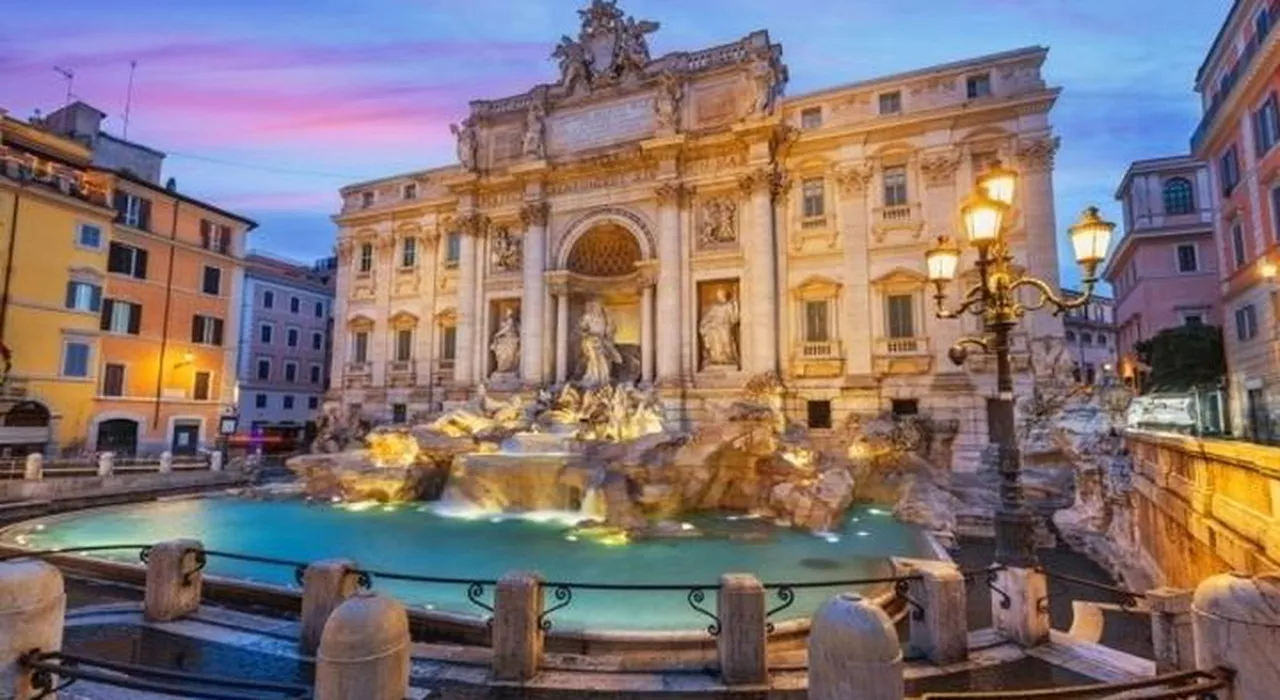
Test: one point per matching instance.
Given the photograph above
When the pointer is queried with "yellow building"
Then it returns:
(55, 226)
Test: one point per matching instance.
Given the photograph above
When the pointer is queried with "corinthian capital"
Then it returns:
(669, 193)
(473, 224)
(855, 178)
(535, 213)
(758, 180)
(1036, 155)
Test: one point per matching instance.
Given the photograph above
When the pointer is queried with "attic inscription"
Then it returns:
(601, 126)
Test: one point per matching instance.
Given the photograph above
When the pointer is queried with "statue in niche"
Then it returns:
(508, 251)
(765, 78)
(719, 222)
(533, 130)
(573, 64)
(505, 344)
(719, 346)
(598, 352)
(667, 103)
(467, 143)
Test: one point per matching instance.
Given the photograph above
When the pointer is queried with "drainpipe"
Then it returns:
(8, 265)
(164, 329)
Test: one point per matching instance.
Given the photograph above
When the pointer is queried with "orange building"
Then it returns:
(170, 317)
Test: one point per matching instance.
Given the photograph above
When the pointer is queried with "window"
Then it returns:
(212, 280)
(1192, 320)
(315, 374)
(89, 236)
(819, 414)
(291, 337)
(319, 312)
(410, 190)
(404, 345)
(259, 400)
(409, 252)
(1229, 170)
(268, 299)
(1187, 258)
(1086, 338)
(366, 199)
(453, 249)
(895, 186)
(83, 296)
(449, 343)
(127, 260)
(891, 103)
(361, 348)
(265, 332)
(901, 316)
(1266, 125)
(1090, 373)
(317, 341)
(976, 86)
(816, 328)
(1238, 252)
(1071, 336)
(366, 257)
(811, 192)
(313, 402)
(1246, 322)
(200, 391)
(132, 210)
(75, 358)
(904, 407)
(295, 305)
(287, 402)
(811, 118)
(1179, 197)
(399, 413)
(291, 371)
(112, 379)
(215, 237)
(1102, 339)
(1275, 212)
(206, 330)
(264, 370)
(121, 317)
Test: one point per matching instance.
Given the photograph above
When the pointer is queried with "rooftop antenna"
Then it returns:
(70, 77)
(128, 99)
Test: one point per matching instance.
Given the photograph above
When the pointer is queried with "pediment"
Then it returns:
(817, 287)
(901, 277)
(403, 319)
(360, 322)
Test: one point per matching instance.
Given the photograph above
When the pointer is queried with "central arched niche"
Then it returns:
(604, 260)
(606, 250)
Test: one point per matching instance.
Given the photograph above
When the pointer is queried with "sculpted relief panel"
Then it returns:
(718, 222)
(601, 125)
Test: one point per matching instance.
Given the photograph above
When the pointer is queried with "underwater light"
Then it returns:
(863, 533)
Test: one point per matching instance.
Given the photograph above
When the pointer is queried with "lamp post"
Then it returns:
(995, 298)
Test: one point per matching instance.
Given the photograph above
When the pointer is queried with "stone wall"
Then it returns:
(1203, 507)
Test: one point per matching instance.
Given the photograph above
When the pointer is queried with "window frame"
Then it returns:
(360, 347)
(260, 400)
(365, 261)
(67, 344)
(891, 98)
(317, 340)
(94, 292)
(106, 374)
(315, 374)
(208, 385)
(1239, 246)
(268, 299)
(266, 333)
(813, 198)
(911, 299)
(408, 253)
(292, 337)
(808, 120)
(207, 330)
(1266, 125)
(295, 305)
(404, 335)
(257, 369)
(409, 191)
(978, 86)
(204, 281)
(1195, 257)
(808, 328)
(452, 249)
(291, 376)
(81, 227)
(137, 261)
(896, 194)
(287, 402)
(1178, 196)
(132, 317)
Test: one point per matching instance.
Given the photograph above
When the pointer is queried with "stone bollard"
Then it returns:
(106, 463)
(1025, 621)
(743, 636)
(517, 630)
(325, 585)
(854, 653)
(1236, 624)
(166, 462)
(174, 580)
(364, 651)
(215, 461)
(940, 631)
(1171, 635)
(34, 467)
(33, 602)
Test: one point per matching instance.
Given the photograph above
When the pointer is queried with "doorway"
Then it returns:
(119, 436)
(186, 438)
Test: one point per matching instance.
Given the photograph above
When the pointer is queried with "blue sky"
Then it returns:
(268, 107)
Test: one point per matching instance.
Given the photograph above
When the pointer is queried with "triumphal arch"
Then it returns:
(680, 221)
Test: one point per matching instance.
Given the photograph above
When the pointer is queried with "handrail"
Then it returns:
(1205, 682)
(41, 553)
(68, 668)
(1128, 599)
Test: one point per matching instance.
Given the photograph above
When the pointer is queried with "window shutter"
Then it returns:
(116, 258)
(206, 241)
(120, 200)
(196, 328)
(140, 270)
(217, 332)
(95, 298)
(224, 239)
(107, 306)
(71, 295)
(135, 319)
(144, 214)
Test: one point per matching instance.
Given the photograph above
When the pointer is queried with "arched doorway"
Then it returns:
(26, 429)
(118, 435)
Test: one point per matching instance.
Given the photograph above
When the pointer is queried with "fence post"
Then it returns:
(364, 651)
(325, 586)
(1236, 623)
(743, 636)
(517, 627)
(939, 628)
(174, 579)
(34, 468)
(854, 653)
(1171, 634)
(33, 601)
(106, 463)
(166, 462)
(1016, 605)
(215, 461)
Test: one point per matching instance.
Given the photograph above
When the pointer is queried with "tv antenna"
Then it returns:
(128, 99)
(70, 77)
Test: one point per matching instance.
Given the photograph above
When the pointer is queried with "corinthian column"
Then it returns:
(669, 283)
(761, 312)
(471, 227)
(534, 216)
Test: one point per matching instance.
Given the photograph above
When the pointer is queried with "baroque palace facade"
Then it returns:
(703, 227)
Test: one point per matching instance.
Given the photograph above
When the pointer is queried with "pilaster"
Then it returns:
(670, 282)
(534, 216)
(853, 183)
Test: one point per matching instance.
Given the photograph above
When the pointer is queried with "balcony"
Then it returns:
(1228, 86)
(824, 358)
(903, 356)
(813, 223)
(901, 217)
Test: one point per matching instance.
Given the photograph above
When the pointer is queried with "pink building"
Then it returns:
(1164, 270)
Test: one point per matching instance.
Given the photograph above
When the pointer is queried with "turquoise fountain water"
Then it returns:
(414, 539)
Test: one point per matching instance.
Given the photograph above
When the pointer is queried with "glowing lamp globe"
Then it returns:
(983, 218)
(999, 183)
(942, 261)
(1090, 238)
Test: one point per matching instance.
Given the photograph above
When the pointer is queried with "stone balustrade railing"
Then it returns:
(35, 467)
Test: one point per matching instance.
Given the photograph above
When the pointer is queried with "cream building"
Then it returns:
(726, 231)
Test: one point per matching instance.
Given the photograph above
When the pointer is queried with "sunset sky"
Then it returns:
(267, 107)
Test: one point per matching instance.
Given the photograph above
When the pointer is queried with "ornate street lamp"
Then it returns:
(994, 297)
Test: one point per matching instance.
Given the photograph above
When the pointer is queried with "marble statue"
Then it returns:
(667, 103)
(719, 347)
(633, 49)
(573, 64)
(507, 251)
(533, 131)
(467, 143)
(598, 353)
(505, 344)
(764, 80)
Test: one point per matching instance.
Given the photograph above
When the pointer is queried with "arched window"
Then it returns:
(1179, 198)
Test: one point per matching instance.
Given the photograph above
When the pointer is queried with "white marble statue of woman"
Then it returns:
(719, 345)
(533, 131)
(466, 134)
(505, 344)
(599, 354)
